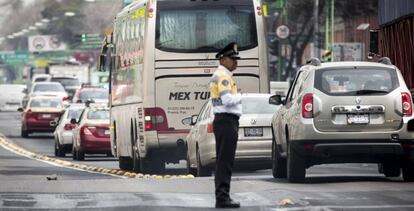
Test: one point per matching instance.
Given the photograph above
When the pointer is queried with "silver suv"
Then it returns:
(344, 112)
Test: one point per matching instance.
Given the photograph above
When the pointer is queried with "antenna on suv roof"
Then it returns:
(314, 61)
(385, 60)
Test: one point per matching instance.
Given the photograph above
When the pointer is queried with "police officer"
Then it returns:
(227, 110)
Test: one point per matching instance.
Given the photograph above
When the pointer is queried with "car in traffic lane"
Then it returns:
(38, 114)
(91, 134)
(344, 112)
(63, 132)
(98, 95)
(254, 144)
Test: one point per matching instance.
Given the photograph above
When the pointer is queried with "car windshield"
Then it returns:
(48, 88)
(98, 114)
(258, 105)
(96, 94)
(67, 81)
(46, 103)
(349, 82)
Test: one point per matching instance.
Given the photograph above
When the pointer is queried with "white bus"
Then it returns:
(162, 57)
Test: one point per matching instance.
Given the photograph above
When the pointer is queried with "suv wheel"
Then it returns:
(408, 169)
(278, 163)
(201, 171)
(390, 169)
(296, 169)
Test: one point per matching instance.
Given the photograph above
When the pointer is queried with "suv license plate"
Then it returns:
(358, 119)
(107, 132)
(253, 131)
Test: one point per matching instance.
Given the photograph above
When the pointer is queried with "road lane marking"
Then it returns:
(82, 167)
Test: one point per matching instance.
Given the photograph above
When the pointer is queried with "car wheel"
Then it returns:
(391, 169)
(74, 155)
(278, 163)
(408, 169)
(80, 154)
(296, 169)
(24, 133)
(125, 163)
(201, 171)
(59, 150)
(190, 170)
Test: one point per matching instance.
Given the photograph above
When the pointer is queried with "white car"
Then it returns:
(255, 136)
(63, 132)
(47, 89)
(11, 96)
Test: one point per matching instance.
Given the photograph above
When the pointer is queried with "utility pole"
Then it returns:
(332, 29)
(315, 28)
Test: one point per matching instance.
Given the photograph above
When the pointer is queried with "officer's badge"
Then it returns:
(225, 82)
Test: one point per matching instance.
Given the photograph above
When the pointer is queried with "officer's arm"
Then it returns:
(227, 98)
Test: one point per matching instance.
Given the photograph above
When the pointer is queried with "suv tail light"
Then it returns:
(407, 105)
(307, 106)
(69, 126)
(65, 98)
(210, 128)
(155, 119)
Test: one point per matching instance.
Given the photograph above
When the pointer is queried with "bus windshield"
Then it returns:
(207, 27)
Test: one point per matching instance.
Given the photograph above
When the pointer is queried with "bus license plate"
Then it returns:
(358, 119)
(253, 131)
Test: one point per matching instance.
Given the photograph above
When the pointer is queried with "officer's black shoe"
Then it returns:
(227, 204)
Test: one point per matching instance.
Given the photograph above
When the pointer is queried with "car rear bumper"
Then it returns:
(39, 125)
(351, 151)
(102, 145)
(307, 130)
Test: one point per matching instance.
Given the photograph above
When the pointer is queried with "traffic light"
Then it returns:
(83, 38)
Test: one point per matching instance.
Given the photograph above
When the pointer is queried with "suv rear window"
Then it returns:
(350, 82)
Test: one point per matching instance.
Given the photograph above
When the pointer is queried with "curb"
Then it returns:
(64, 163)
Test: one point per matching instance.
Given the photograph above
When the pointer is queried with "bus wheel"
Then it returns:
(136, 162)
(125, 163)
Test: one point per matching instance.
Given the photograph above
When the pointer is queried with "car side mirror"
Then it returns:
(73, 121)
(53, 123)
(24, 91)
(276, 100)
(20, 109)
(187, 121)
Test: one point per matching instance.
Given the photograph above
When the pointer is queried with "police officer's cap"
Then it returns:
(230, 51)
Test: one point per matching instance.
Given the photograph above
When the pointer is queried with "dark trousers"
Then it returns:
(225, 128)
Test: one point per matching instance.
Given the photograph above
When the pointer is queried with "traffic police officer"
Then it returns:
(227, 110)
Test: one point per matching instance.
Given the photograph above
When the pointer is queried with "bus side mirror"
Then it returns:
(102, 62)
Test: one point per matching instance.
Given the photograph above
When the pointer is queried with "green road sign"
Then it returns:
(14, 57)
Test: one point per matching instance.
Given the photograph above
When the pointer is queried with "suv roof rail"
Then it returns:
(385, 60)
(314, 61)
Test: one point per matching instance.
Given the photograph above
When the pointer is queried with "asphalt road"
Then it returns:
(24, 185)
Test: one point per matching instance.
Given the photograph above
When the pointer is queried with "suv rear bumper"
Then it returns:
(355, 151)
